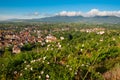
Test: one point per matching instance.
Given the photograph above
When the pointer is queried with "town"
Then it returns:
(32, 35)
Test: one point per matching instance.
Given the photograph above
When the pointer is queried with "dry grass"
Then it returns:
(113, 74)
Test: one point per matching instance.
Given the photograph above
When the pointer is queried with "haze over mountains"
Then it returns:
(95, 19)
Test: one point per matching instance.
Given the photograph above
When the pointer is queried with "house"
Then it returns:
(16, 49)
(50, 38)
(101, 32)
(40, 40)
(62, 38)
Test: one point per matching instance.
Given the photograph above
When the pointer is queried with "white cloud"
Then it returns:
(73, 13)
(96, 12)
(91, 13)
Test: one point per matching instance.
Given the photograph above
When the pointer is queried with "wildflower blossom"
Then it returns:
(82, 65)
(31, 68)
(67, 65)
(48, 62)
(39, 77)
(59, 46)
(21, 74)
(32, 61)
(44, 58)
(70, 69)
(15, 72)
(42, 72)
(28, 66)
(25, 68)
(39, 59)
(51, 48)
(43, 61)
(81, 49)
(62, 38)
(48, 45)
(75, 73)
(47, 76)
(113, 39)
(82, 45)
(25, 61)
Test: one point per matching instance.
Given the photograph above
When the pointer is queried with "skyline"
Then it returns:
(29, 9)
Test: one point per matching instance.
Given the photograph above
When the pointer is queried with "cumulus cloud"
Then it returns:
(73, 13)
(96, 12)
(91, 13)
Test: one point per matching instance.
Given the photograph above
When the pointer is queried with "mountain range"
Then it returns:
(95, 19)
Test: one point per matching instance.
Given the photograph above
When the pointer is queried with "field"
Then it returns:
(80, 52)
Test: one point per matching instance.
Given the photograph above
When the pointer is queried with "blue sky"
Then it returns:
(27, 8)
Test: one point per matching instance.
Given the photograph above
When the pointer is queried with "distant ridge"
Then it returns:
(95, 19)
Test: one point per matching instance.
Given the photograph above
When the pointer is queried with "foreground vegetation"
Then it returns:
(81, 56)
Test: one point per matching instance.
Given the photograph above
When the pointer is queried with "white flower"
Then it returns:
(70, 69)
(62, 38)
(20, 74)
(25, 61)
(82, 45)
(58, 43)
(59, 46)
(98, 72)
(31, 68)
(28, 65)
(25, 68)
(32, 61)
(113, 39)
(47, 76)
(67, 65)
(44, 58)
(48, 62)
(69, 55)
(101, 40)
(81, 49)
(75, 73)
(39, 59)
(87, 65)
(82, 65)
(39, 77)
(15, 72)
(48, 45)
(43, 61)
(51, 48)
(42, 72)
